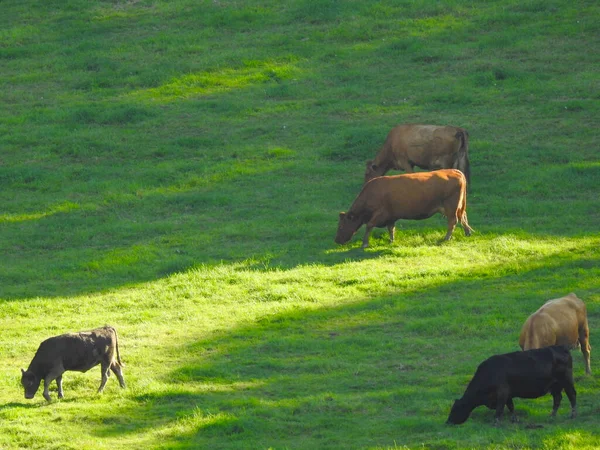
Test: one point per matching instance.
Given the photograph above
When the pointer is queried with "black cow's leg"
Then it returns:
(60, 388)
(572, 394)
(511, 408)
(557, 397)
(501, 400)
(104, 368)
(117, 371)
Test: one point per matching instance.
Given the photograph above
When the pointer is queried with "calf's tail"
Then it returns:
(117, 347)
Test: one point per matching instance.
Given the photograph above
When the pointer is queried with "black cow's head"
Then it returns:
(30, 382)
(347, 226)
(460, 412)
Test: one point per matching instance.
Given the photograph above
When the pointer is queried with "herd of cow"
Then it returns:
(545, 364)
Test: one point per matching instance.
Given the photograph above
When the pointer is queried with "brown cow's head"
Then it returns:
(460, 412)
(30, 382)
(372, 171)
(347, 226)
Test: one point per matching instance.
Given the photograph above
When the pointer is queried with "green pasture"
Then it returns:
(176, 169)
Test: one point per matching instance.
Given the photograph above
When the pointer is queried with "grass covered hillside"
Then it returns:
(176, 169)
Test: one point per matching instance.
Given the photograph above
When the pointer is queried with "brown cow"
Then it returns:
(429, 147)
(73, 351)
(561, 321)
(384, 200)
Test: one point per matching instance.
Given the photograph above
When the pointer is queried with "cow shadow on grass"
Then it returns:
(370, 372)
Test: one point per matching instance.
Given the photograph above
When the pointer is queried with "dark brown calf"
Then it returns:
(73, 351)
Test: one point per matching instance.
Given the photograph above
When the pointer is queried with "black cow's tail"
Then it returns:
(463, 154)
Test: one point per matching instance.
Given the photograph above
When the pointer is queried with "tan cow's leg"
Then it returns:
(585, 348)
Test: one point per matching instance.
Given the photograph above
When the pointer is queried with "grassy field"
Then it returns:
(176, 169)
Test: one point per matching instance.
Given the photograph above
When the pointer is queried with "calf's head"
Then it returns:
(372, 171)
(459, 413)
(347, 226)
(30, 382)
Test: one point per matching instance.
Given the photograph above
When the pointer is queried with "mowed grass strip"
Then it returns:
(176, 169)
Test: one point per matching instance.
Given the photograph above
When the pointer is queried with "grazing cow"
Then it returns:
(561, 321)
(73, 351)
(429, 147)
(384, 200)
(528, 374)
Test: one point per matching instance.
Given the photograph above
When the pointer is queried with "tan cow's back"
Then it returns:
(560, 321)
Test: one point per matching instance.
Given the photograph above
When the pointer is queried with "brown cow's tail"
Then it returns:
(461, 212)
(463, 154)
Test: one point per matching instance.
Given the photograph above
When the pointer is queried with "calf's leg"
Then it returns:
(117, 371)
(60, 388)
(54, 374)
(105, 369)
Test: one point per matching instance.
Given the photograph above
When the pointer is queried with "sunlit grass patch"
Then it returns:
(56, 209)
(211, 82)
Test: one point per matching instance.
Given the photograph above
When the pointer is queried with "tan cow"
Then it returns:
(429, 147)
(561, 321)
(416, 196)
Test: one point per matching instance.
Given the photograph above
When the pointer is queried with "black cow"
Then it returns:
(528, 374)
(73, 351)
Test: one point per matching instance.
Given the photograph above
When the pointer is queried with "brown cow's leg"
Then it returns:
(452, 220)
(392, 229)
(465, 224)
(365, 243)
